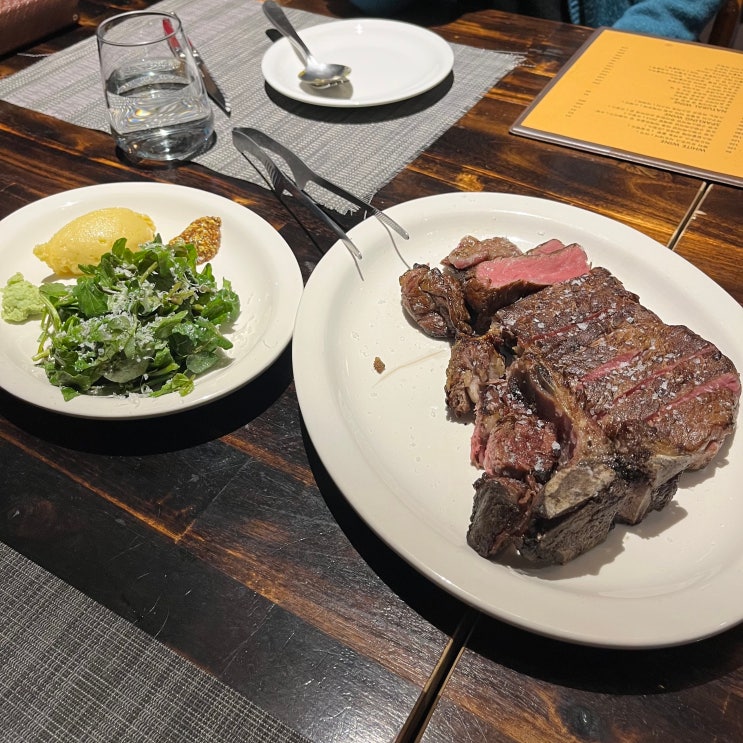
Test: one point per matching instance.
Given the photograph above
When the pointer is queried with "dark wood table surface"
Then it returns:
(219, 531)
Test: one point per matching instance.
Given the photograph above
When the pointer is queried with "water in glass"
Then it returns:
(157, 104)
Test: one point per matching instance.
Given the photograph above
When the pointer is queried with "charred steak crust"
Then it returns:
(470, 251)
(501, 513)
(587, 406)
(434, 299)
(475, 362)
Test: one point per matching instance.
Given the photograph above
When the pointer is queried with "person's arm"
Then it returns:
(674, 19)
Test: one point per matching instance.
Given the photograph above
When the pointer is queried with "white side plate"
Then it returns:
(390, 61)
(253, 256)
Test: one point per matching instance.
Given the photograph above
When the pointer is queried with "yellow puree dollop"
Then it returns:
(85, 239)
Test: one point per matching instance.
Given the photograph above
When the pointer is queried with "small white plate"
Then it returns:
(390, 61)
(253, 256)
(404, 465)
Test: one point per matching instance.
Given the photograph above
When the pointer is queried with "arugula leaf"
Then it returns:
(90, 297)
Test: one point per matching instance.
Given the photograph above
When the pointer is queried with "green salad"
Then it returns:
(145, 321)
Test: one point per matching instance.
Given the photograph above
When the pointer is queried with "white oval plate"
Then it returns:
(390, 61)
(404, 466)
(253, 256)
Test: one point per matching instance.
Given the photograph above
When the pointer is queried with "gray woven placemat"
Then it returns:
(362, 149)
(72, 671)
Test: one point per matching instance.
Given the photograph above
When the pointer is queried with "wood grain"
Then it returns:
(513, 686)
(219, 530)
(713, 240)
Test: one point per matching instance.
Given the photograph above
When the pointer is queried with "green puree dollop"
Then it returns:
(145, 321)
(21, 300)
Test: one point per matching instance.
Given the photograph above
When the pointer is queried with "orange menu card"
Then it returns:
(673, 104)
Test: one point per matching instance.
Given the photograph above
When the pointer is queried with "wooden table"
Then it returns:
(223, 535)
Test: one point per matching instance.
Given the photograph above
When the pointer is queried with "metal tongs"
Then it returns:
(253, 142)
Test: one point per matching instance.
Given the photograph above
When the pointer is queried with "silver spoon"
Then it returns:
(319, 74)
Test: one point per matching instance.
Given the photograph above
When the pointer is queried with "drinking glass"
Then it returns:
(156, 101)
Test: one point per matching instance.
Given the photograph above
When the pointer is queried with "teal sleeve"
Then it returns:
(673, 19)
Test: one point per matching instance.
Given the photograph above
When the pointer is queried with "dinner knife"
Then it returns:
(212, 89)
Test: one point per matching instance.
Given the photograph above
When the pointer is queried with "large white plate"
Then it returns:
(253, 256)
(386, 440)
(390, 61)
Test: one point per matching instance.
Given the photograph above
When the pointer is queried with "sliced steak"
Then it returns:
(587, 406)
(589, 304)
(632, 354)
(434, 300)
(586, 454)
(510, 438)
(493, 284)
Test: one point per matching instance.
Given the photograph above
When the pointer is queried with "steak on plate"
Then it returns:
(587, 406)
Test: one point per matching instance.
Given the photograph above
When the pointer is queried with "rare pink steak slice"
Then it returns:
(496, 283)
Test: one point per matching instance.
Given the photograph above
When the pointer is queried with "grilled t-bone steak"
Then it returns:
(587, 408)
